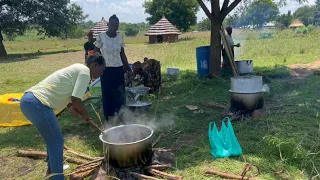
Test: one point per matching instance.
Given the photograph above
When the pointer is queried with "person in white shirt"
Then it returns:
(63, 88)
(226, 67)
(112, 81)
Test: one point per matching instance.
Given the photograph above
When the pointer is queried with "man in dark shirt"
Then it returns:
(89, 46)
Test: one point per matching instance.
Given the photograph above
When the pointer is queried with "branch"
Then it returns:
(225, 5)
(226, 11)
(205, 9)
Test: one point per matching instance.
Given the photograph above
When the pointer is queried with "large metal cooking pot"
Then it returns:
(244, 66)
(128, 145)
(247, 101)
(246, 84)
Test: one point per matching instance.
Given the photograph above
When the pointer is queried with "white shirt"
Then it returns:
(56, 90)
(110, 48)
(230, 40)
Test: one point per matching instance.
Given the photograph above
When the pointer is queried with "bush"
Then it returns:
(301, 30)
(131, 30)
(266, 35)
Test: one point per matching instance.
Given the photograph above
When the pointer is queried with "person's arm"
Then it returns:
(79, 90)
(124, 60)
(97, 44)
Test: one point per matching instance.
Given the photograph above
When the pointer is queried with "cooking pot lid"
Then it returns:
(262, 90)
(139, 104)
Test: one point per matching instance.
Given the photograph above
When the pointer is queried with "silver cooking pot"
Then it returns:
(128, 145)
(244, 66)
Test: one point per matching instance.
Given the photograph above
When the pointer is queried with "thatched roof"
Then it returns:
(101, 26)
(162, 27)
(296, 23)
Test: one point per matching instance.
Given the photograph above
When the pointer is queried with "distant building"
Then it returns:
(101, 26)
(296, 23)
(163, 31)
(269, 25)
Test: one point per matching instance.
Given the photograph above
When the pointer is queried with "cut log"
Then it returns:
(42, 154)
(90, 162)
(82, 175)
(141, 176)
(79, 154)
(213, 104)
(227, 175)
(159, 166)
(165, 175)
(100, 174)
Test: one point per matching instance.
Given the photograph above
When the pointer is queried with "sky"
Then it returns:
(131, 11)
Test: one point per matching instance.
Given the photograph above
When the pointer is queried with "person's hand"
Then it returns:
(238, 45)
(73, 111)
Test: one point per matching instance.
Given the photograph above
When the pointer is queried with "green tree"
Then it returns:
(260, 12)
(132, 30)
(284, 20)
(181, 13)
(306, 14)
(47, 16)
(204, 25)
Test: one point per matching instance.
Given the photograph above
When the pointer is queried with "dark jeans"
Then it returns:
(46, 122)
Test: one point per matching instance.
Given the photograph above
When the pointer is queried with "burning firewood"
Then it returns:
(159, 166)
(141, 176)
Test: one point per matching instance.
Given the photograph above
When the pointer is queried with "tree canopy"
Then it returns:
(181, 13)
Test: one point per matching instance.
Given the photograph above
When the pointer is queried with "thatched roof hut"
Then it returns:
(163, 31)
(101, 26)
(296, 23)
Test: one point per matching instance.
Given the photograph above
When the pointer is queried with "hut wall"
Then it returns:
(170, 38)
(152, 39)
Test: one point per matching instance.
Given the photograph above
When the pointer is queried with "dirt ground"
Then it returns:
(301, 71)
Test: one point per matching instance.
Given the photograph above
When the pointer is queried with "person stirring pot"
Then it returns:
(112, 80)
(65, 87)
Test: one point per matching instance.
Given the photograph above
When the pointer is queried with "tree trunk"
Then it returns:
(3, 52)
(215, 49)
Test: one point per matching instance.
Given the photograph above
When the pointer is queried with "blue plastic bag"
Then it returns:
(223, 143)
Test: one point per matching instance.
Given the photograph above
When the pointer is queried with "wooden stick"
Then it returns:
(214, 104)
(159, 166)
(41, 154)
(90, 162)
(157, 140)
(79, 154)
(227, 176)
(82, 175)
(165, 175)
(141, 176)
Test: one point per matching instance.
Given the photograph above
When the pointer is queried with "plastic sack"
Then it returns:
(223, 143)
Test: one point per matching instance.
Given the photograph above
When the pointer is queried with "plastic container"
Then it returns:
(173, 71)
(203, 57)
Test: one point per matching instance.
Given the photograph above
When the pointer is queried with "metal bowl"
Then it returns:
(139, 106)
(141, 90)
(128, 145)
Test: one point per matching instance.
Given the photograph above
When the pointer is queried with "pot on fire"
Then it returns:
(247, 93)
(128, 145)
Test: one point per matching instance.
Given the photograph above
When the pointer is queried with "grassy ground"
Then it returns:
(288, 139)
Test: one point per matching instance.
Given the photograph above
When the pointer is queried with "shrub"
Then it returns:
(131, 30)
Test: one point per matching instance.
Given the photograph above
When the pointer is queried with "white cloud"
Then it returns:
(94, 1)
(133, 3)
(119, 9)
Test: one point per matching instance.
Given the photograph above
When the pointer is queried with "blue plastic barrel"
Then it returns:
(203, 57)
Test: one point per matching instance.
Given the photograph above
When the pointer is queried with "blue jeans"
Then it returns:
(46, 122)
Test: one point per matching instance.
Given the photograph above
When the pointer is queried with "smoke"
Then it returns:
(131, 134)
(266, 88)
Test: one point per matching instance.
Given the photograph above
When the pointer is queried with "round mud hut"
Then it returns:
(296, 23)
(100, 27)
(163, 31)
